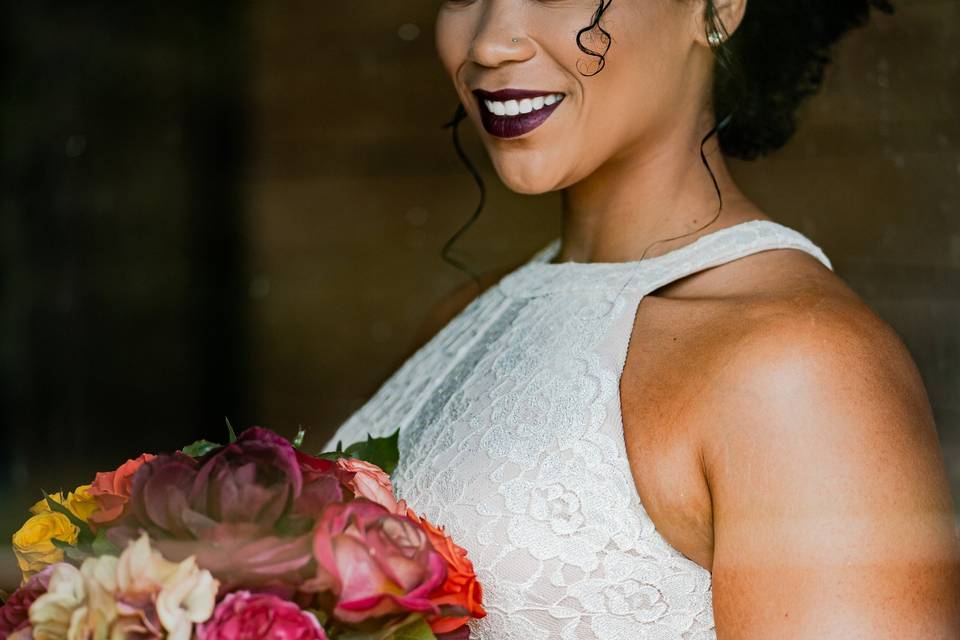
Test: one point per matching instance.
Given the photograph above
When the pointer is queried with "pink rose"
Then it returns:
(374, 563)
(15, 612)
(112, 489)
(368, 481)
(260, 616)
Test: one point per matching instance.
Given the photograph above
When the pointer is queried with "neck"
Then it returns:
(645, 195)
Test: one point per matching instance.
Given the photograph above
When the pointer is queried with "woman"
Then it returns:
(675, 421)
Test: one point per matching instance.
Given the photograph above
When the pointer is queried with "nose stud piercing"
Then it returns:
(515, 39)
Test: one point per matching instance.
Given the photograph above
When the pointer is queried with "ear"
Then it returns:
(726, 17)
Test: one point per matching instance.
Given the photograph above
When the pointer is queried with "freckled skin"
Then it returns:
(778, 431)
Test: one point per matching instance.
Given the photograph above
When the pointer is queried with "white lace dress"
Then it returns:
(511, 436)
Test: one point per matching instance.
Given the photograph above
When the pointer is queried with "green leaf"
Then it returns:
(413, 627)
(382, 452)
(417, 630)
(298, 441)
(200, 448)
(359, 635)
(75, 554)
(101, 546)
(59, 508)
(230, 431)
(69, 550)
(61, 544)
(321, 616)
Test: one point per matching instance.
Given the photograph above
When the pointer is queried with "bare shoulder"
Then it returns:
(831, 507)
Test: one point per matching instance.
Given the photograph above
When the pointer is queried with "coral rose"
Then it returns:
(111, 490)
(246, 616)
(461, 591)
(368, 481)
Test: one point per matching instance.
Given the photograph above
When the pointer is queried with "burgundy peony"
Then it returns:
(322, 483)
(247, 616)
(238, 509)
(374, 563)
(15, 612)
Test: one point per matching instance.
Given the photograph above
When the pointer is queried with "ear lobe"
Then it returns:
(717, 20)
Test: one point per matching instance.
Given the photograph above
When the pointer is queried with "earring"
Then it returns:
(714, 37)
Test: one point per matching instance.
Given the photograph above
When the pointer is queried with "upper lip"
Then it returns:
(503, 95)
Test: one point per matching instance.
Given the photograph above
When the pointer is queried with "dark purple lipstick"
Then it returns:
(511, 126)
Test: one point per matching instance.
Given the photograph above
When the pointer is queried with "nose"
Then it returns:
(493, 40)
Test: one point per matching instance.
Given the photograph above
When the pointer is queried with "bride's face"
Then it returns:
(653, 81)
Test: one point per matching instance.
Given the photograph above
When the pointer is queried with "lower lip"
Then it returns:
(513, 126)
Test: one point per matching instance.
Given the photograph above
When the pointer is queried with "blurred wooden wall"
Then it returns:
(123, 294)
(356, 187)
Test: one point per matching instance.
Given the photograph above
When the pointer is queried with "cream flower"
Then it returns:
(52, 614)
(139, 593)
(187, 597)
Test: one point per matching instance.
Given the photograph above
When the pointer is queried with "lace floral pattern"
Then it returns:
(512, 437)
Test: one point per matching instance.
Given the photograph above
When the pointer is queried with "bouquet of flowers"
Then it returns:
(252, 539)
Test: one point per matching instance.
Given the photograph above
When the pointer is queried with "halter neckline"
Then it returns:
(538, 275)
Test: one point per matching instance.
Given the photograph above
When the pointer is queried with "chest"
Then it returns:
(665, 369)
(523, 422)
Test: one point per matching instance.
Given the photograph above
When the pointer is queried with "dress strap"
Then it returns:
(720, 247)
(710, 250)
(539, 276)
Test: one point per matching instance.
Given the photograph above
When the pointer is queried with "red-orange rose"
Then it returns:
(112, 489)
(461, 589)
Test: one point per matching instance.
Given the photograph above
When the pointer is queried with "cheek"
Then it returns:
(640, 86)
(452, 38)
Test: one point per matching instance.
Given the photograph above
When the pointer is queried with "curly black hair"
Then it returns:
(773, 61)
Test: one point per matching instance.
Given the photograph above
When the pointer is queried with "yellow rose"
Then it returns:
(79, 502)
(41, 506)
(33, 544)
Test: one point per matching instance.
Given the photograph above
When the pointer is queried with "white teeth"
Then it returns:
(514, 107)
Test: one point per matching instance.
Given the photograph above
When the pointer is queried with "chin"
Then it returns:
(525, 178)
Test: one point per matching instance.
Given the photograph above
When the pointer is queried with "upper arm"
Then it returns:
(831, 507)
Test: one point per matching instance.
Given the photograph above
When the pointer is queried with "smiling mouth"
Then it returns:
(509, 113)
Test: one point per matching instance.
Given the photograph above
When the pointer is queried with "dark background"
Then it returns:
(236, 209)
